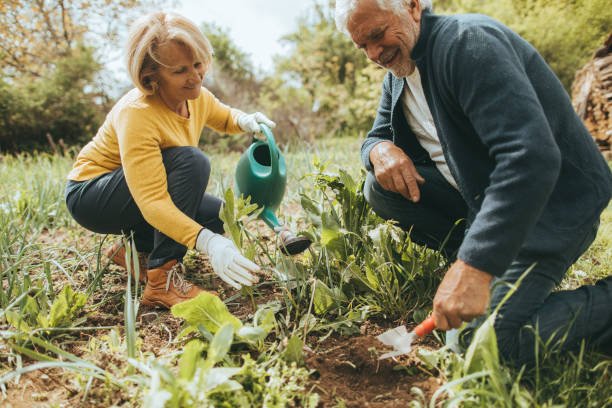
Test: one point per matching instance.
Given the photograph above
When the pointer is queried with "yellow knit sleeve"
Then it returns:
(139, 147)
(217, 115)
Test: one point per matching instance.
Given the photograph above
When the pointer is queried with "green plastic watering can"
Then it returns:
(261, 174)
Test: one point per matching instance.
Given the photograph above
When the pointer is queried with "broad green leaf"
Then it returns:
(218, 379)
(16, 320)
(43, 320)
(207, 310)
(227, 216)
(338, 295)
(252, 334)
(156, 398)
(347, 180)
(431, 358)
(372, 278)
(31, 308)
(482, 354)
(294, 351)
(323, 298)
(220, 344)
(190, 357)
(266, 320)
(331, 234)
(65, 307)
(330, 230)
(310, 206)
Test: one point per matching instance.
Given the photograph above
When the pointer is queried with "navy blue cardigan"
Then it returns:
(526, 166)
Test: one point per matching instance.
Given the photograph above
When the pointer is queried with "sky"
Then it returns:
(255, 26)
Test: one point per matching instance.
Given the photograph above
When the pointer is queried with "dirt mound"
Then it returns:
(347, 369)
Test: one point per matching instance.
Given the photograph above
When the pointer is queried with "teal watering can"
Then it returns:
(261, 174)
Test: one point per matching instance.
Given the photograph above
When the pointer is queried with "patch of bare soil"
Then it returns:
(347, 369)
(38, 389)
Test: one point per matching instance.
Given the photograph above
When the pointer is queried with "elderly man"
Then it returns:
(473, 124)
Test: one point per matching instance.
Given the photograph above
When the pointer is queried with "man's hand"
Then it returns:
(462, 295)
(395, 171)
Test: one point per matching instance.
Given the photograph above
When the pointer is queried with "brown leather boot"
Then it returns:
(116, 254)
(166, 286)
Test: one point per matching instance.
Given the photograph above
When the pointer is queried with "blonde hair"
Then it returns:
(150, 32)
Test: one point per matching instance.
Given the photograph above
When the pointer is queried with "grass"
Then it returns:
(108, 352)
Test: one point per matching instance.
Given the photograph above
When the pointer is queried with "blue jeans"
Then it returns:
(105, 205)
(581, 314)
(565, 318)
(438, 216)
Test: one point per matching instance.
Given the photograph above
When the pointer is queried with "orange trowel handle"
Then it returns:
(426, 327)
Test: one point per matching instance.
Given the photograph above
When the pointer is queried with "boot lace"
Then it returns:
(175, 275)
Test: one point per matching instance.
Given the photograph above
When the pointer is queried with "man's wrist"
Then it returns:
(378, 150)
(475, 273)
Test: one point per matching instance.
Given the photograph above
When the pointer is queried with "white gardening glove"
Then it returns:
(227, 261)
(249, 122)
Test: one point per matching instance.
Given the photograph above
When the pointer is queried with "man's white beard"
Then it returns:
(403, 70)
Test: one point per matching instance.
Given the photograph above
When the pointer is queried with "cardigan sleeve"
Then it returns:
(219, 116)
(487, 77)
(141, 159)
(381, 129)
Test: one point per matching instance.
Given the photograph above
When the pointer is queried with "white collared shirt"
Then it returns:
(421, 122)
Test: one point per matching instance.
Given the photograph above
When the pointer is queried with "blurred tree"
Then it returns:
(342, 85)
(50, 53)
(231, 62)
(232, 79)
(57, 107)
(35, 33)
(564, 32)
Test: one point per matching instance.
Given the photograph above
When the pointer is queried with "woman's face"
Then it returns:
(183, 79)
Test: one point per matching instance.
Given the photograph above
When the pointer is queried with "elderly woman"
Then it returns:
(143, 174)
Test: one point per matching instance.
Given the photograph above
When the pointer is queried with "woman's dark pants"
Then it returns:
(581, 314)
(105, 205)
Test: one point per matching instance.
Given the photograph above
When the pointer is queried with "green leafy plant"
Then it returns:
(206, 313)
(235, 213)
(362, 262)
(36, 315)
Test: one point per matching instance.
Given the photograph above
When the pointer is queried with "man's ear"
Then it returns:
(414, 9)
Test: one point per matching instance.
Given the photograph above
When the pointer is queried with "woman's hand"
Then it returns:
(249, 122)
(227, 261)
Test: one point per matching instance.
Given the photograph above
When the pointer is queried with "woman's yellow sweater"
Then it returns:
(133, 136)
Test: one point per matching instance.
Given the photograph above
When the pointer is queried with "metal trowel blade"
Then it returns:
(399, 338)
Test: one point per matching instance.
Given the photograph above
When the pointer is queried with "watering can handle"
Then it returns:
(272, 146)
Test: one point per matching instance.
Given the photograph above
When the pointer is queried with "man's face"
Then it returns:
(386, 38)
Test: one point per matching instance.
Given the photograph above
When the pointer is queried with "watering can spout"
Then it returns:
(262, 175)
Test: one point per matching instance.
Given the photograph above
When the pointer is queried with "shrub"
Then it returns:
(61, 104)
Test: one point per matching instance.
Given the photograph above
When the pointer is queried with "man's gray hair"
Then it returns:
(344, 9)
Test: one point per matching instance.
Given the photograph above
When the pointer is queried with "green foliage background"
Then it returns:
(323, 86)
(566, 33)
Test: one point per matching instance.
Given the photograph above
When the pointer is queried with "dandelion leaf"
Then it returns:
(66, 307)
(207, 310)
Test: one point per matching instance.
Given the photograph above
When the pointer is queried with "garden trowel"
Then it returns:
(401, 340)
